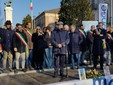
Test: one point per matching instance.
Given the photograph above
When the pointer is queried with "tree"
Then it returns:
(75, 11)
(26, 19)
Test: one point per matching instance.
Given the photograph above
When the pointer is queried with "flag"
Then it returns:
(31, 5)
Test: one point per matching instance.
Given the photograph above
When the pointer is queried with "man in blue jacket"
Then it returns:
(60, 40)
(7, 45)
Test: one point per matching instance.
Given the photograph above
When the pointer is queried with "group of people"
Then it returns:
(47, 48)
(16, 43)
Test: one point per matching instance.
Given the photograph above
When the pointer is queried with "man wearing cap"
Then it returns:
(7, 45)
(60, 40)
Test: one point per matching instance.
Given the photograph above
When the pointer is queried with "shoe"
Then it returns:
(11, 70)
(72, 68)
(31, 68)
(101, 68)
(27, 69)
(16, 70)
(107, 64)
(62, 75)
(77, 67)
(4, 71)
(55, 75)
(24, 70)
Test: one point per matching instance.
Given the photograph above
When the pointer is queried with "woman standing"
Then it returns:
(38, 49)
(48, 50)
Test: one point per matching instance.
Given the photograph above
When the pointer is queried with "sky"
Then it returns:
(22, 7)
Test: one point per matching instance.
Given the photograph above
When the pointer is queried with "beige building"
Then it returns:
(48, 17)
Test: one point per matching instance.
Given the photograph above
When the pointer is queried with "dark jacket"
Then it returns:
(60, 37)
(75, 40)
(90, 37)
(7, 39)
(83, 45)
(47, 37)
(110, 41)
(38, 41)
(17, 43)
(1, 35)
(98, 43)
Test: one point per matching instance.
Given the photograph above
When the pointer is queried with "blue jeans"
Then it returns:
(77, 55)
(29, 58)
(49, 57)
(82, 56)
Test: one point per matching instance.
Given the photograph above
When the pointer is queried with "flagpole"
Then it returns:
(32, 17)
(111, 13)
(31, 9)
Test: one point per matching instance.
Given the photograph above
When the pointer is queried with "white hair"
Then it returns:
(66, 27)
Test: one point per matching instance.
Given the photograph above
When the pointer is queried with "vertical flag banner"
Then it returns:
(31, 5)
(103, 8)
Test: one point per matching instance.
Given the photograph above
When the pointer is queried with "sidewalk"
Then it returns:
(37, 78)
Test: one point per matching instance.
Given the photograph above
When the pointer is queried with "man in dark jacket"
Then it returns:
(90, 42)
(7, 45)
(83, 46)
(99, 45)
(74, 45)
(60, 40)
(20, 44)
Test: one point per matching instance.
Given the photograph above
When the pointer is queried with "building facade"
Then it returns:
(47, 18)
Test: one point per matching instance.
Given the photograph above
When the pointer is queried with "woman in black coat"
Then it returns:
(38, 50)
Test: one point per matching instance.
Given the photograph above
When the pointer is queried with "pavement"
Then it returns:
(39, 78)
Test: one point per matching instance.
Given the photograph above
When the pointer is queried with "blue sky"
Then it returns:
(21, 8)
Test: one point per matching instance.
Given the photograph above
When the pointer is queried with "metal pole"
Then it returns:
(111, 13)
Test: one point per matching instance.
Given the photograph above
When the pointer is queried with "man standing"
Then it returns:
(60, 40)
(7, 45)
(83, 46)
(28, 31)
(20, 47)
(74, 45)
(90, 42)
(99, 45)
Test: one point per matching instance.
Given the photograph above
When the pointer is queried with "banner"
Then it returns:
(103, 8)
(88, 24)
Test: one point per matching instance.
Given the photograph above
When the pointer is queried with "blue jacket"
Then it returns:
(75, 40)
(60, 37)
(7, 40)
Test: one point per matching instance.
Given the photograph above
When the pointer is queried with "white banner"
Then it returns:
(103, 8)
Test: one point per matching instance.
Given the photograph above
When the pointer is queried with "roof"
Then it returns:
(54, 11)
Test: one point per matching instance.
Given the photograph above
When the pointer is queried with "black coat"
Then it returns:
(83, 45)
(90, 37)
(60, 37)
(75, 40)
(17, 43)
(38, 41)
(110, 41)
(98, 43)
